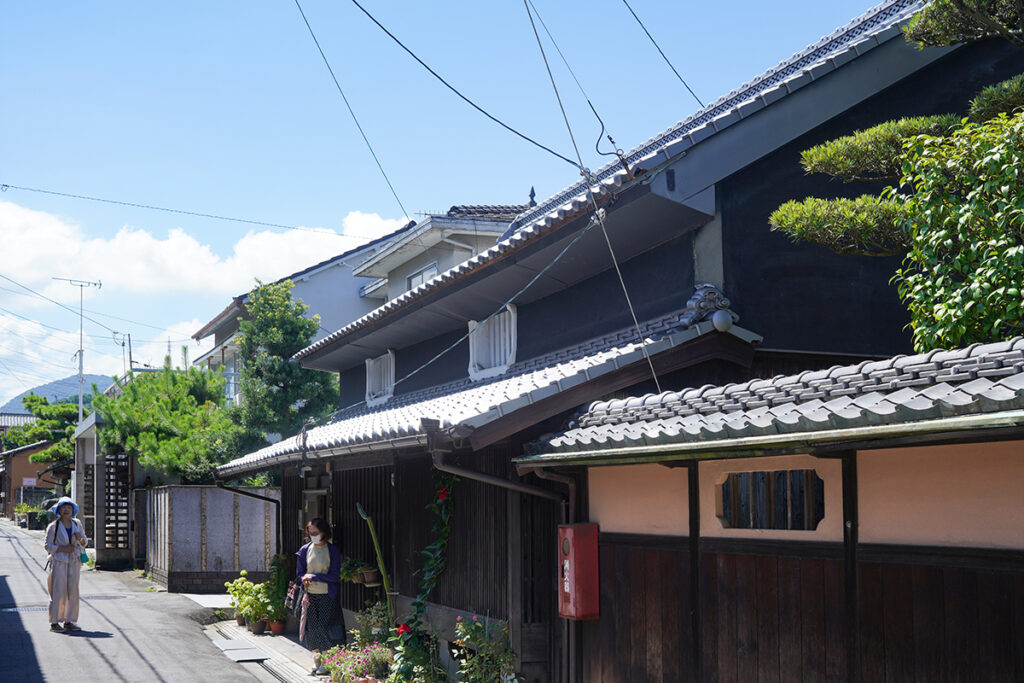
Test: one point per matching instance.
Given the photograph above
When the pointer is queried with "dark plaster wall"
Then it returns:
(801, 296)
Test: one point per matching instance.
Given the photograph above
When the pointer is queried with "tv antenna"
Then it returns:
(81, 284)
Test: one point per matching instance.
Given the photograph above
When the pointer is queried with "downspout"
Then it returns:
(569, 654)
(431, 427)
(277, 507)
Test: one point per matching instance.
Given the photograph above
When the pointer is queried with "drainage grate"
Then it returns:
(102, 597)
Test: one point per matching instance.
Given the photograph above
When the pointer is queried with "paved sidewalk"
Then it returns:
(287, 660)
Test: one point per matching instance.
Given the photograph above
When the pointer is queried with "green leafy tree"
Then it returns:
(890, 223)
(962, 277)
(278, 394)
(54, 422)
(948, 22)
(171, 420)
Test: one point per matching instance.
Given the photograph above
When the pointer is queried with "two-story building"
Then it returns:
(462, 373)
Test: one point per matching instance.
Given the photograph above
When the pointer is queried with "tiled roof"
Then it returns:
(875, 27)
(491, 212)
(979, 379)
(471, 404)
(28, 448)
(15, 419)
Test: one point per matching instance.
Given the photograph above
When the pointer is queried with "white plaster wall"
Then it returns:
(712, 473)
(963, 495)
(334, 294)
(640, 499)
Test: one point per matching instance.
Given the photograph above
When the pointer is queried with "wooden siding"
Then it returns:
(371, 488)
(476, 576)
(645, 630)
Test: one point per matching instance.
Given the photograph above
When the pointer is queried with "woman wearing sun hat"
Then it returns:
(65, 539)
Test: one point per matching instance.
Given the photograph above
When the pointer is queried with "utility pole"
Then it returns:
(81, 284)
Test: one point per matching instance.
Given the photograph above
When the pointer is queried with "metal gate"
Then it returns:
(115, 502)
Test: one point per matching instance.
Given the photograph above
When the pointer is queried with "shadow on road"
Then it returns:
(89, 634)
(19, 655)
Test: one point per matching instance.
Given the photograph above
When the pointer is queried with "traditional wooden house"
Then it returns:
(864, 522)
(460, 373)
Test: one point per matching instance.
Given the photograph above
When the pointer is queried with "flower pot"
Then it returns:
(371, 576)
(258, 627)
(357, 578)
(277, 626)
(239, 619)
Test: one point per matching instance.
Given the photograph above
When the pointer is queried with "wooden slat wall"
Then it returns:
(290, 505)
(644, 633)
(476, 576)
(927, 623)
(772, 618)
(372, 488)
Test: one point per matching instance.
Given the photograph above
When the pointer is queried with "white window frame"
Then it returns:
(492, 345)
(419, 274)
(380, 378)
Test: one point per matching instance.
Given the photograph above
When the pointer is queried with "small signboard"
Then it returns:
(27, 482)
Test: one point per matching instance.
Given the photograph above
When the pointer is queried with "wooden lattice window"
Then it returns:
(780, 499)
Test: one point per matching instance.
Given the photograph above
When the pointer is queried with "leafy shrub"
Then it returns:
(371, 659)
(1004, 97)
(484, 654)
(867, 225)
(873, 154)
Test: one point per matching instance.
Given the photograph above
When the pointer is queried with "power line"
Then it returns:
(461, 96)
(68, 308)
(355, 119)
(624, 2)
(324, 231)
(593, 202)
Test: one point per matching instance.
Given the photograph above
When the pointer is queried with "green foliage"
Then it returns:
(1003, 97)
(867, 225)
(416, 653)
(239, 590)
(277, 587)
(171, 420)
(372, 623)
(349, 663)
(962, 278)
(25, 508)
(948, 22)
(54, 422)
(484, 654)
(351, 568)
(278, 394)
(873, 154)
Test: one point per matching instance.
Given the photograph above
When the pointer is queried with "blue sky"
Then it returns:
(227, 109)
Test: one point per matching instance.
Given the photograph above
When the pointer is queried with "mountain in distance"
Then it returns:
(57, 390)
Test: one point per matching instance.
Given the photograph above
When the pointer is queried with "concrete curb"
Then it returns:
(287, 660)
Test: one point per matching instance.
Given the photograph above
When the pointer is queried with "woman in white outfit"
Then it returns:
(65, 539)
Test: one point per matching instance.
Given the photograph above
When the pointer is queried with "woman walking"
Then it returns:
(65, 539)
(319, 569)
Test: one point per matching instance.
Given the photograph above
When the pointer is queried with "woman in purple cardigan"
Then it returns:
(319, 569)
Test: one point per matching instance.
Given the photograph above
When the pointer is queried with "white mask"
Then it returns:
(315, 538)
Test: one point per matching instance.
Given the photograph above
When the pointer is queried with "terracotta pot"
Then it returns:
(277, 627)
(258, 626)
(371, 575)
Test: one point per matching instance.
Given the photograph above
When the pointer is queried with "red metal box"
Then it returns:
(578, 589)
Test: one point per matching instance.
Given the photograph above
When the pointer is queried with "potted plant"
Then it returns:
(371, 575)
(257, 607)
(482, 650)
(277, 591)
(352, 570)
(373, 624)
(239, 590)
(364, 663)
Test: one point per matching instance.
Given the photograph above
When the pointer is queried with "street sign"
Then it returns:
(27, 482)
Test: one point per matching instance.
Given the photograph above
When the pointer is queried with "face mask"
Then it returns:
(315, 538)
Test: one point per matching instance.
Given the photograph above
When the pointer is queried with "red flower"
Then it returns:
(442, 493)
(404, 628)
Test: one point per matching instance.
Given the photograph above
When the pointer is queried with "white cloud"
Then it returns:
(41, 246)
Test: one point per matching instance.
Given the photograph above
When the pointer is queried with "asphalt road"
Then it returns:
(128, 633)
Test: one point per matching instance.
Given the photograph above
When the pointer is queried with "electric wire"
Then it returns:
(593, 202)
(4, 187)
(660, 51)
(15, 375)
(459, 94)
(52, 301)
(355, 119)
(583, 92)
(479, 324)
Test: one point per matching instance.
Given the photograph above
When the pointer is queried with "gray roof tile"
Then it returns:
(901, 389)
